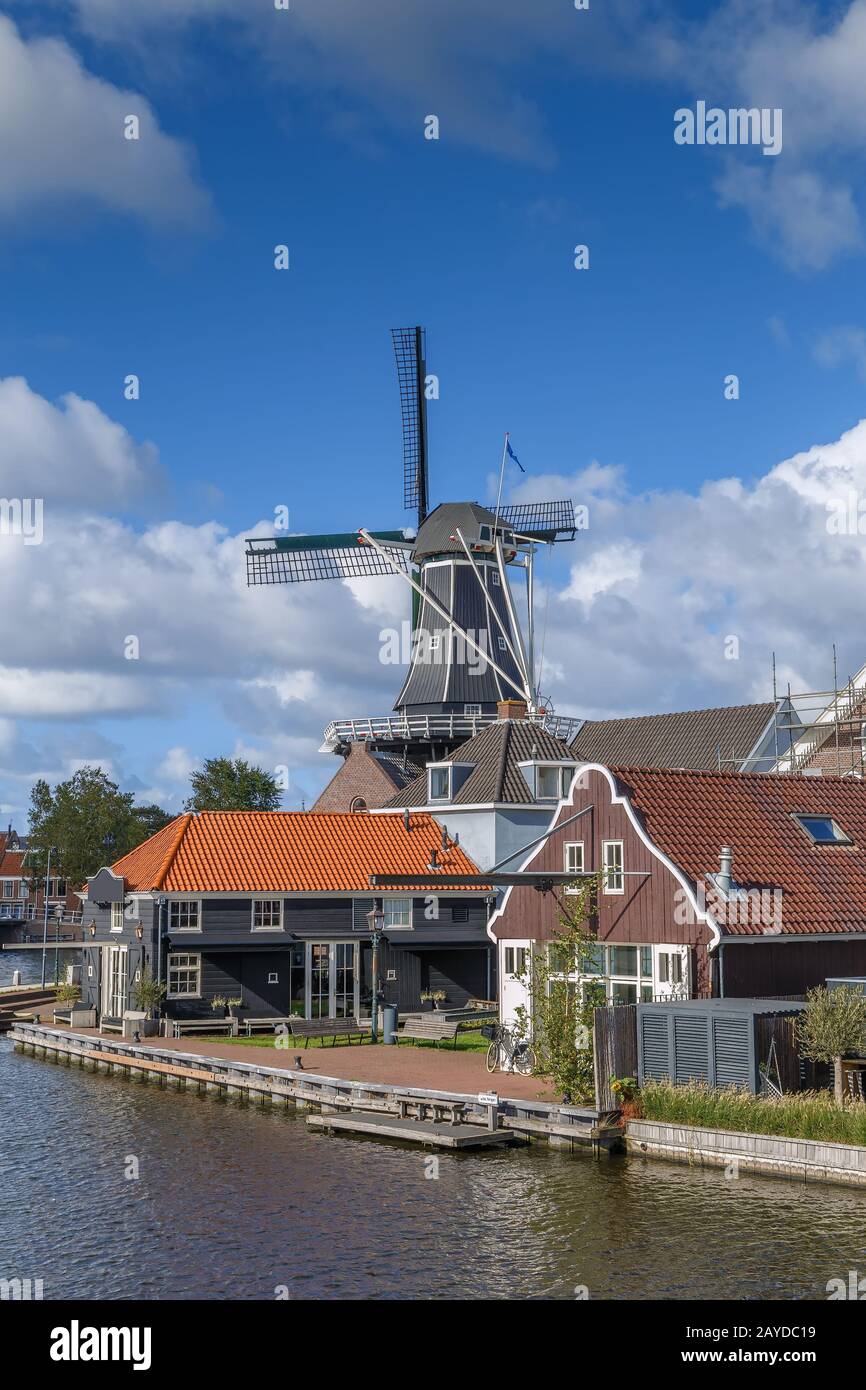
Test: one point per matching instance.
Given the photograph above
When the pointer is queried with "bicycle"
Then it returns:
(507, 1053)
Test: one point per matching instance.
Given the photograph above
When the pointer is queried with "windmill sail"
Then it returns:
(299, 559)
(410, 350)
(541, 521)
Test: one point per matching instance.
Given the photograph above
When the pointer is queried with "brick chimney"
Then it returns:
(511, 709)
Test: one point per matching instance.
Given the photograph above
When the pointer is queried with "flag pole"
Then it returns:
(501, 476)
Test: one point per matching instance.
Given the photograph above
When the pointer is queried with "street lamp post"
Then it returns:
(376, 920)
(45, 915)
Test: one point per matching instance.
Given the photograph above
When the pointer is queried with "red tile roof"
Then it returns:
(285, 852)
(11, 862)
(692, 815)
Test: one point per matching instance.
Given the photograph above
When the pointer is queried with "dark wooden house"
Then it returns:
(271, 908)
(726, 884)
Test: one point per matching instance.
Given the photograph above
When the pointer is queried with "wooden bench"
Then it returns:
(332, 1028)
(261, 1025)
(429, 1027)
(179, 1026)
(110, 1025)
(454, 1111)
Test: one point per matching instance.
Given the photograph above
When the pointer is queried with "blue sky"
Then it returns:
(261, 388)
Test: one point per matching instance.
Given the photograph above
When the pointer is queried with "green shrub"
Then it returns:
(804, 1115)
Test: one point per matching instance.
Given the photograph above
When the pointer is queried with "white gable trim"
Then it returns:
(701, 915)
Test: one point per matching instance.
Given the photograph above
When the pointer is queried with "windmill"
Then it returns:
(468, 649)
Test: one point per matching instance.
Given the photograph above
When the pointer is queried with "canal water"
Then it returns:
(234, 1202)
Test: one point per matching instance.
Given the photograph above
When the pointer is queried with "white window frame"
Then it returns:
(260, 902)
(405, 906)
(607, 871)
(439, 767)
(518, 961)
(569, 868)
(173, 927)
(8, 888)
(187, 956)
(472, 709)
(434, 642)
(116, 910)
(503, 645)
(494, 578)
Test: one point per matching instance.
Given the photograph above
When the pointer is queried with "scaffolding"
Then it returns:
(814, 732)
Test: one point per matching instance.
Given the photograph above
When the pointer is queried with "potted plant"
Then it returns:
(147, 995)
(438, 997)
(626, 1092)
(218, 1004)
(68, 994)
(234, 1005)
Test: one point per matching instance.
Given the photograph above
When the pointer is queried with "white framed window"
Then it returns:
(273, 977)
(572, 861)
(503, 645)
(267, 914)
(548, 783)
(184, 916)
(117, 916)
(184, 975)
(515, 960)
(8, 888)
(495, 580)
(434, 642)
(670, 968)
(471, 709)
(398, 913)
(439, 782)
(612, 866)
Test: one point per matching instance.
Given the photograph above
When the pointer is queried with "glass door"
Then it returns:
(319, 976)
(332, 979)
(344, 979)
(114, 997)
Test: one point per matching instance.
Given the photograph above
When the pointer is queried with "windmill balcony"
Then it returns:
(427, 728)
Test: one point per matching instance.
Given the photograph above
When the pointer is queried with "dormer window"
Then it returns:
(439, 782)
(823, 830)
(548, 783)
(484, 534)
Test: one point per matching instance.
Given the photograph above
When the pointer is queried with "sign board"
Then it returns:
(488, 1098)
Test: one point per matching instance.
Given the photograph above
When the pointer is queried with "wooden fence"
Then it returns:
(615, 1048)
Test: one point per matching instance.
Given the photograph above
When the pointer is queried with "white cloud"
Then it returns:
(806, 219)
(177, 765)
(69, 454)
(657, 588)
(840, 345)
(61, 138)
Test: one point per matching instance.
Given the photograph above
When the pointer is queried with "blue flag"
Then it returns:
(512, 455)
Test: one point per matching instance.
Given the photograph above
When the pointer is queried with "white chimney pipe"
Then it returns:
(725, 876)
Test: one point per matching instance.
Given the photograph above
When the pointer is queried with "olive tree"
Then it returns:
(832, 1023)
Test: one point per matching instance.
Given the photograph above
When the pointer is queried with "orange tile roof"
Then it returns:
(286, 852)
(691, 815)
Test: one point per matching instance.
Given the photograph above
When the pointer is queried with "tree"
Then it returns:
(151, 819)
(87, 821)
(832, 1023)
(560, 1016)
(226, 784)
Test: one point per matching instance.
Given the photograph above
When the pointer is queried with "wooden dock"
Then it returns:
(408, 1131)
(440, 1119)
